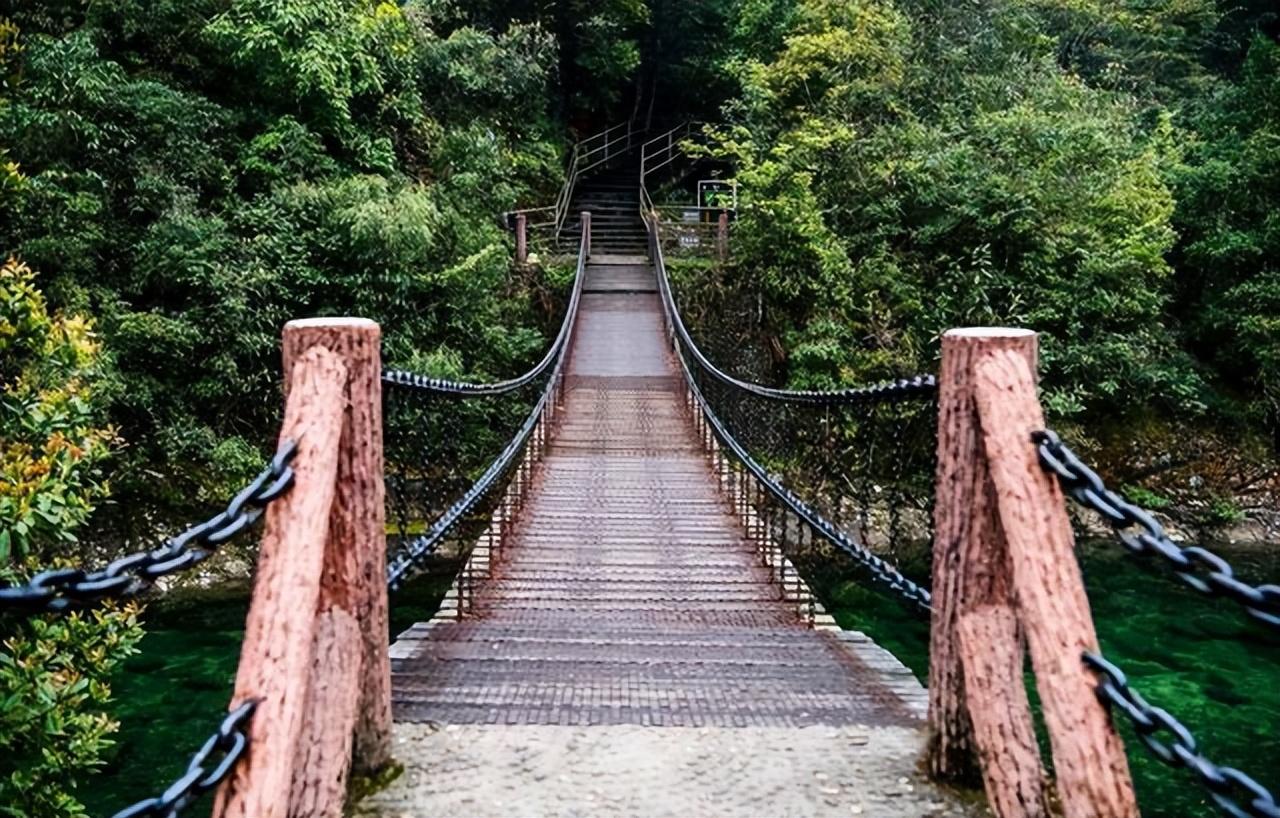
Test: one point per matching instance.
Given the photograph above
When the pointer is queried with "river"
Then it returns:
(1199, 658)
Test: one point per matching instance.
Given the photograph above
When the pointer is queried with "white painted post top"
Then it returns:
(336, 322)
(989, 332)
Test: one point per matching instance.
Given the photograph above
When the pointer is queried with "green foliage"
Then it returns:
(54, 684)
(1222, 511)
(345, 65)
(876, 218)
(1230, 254)
(200, 174)
(1145, 497)
(50, 444)
(54, 671)
(1152, 49)
(598, 42)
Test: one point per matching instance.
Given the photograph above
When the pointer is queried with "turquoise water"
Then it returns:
(172, 695)
(1197, 658)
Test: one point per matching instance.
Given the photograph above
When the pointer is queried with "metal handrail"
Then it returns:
(668, 146)
(668, 151)
(586, 156)
(426, 544)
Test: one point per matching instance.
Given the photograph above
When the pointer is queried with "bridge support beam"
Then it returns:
(315, 648)
(1003, 566)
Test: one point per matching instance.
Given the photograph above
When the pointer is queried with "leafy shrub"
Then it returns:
(894, 187)
(55, 669)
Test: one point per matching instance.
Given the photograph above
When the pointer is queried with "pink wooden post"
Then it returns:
(1004, 575)
(315, 646)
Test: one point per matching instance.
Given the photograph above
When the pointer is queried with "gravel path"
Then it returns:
(668, 772)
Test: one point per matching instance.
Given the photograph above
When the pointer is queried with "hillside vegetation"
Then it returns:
(1107, 173)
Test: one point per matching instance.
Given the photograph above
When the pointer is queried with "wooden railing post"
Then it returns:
(1088, 755)
(586, 232)
(315, 647)
(722, 237)
(522, 238)
(358, 526)
(1003, 565)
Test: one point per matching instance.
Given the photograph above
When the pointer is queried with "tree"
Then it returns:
(314, 158)
(1230, 251)
(54, 670)
(892, 192)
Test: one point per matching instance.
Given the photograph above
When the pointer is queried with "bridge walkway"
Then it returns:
(629, 655)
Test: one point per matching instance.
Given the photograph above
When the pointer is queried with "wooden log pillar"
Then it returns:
(586, 232)
(980, 720)
(522, 238)
(358, 528)
(1088, 755)
(276, 657)
(315, 647)
(722, 238)
(979, 714)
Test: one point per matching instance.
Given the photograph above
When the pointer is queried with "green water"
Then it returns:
(1197, 658)
(170, 697)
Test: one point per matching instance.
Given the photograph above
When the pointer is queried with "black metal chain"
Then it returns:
(231, 740)
(63, 588)
(1196, 567)
(919, 387)
(1169, 740)
(879, 568)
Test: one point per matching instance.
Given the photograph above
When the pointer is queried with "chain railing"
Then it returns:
(833, 484)
(208, 768)
(60, 589)
(1198, 568)
(1166, 738)
(66, 589)
(444, 484)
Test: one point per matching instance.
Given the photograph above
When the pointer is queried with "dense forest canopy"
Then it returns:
(1106, 173)
(178, 179)
(191, 175)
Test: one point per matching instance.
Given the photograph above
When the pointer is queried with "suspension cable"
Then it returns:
(400, 377)
(882, 570)
(919, 386)
(425, 545)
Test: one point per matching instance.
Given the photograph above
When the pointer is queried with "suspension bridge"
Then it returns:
(645, 545)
